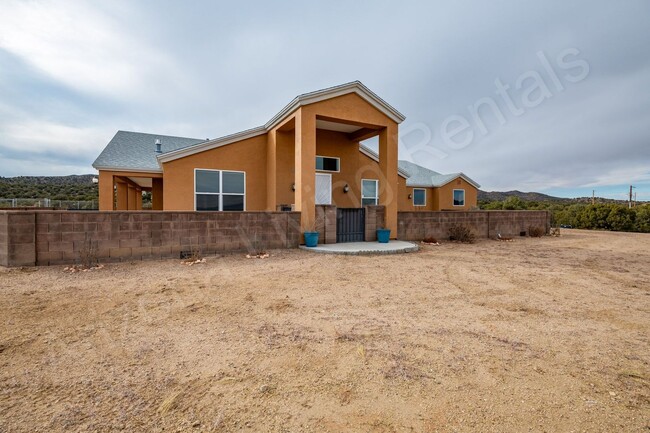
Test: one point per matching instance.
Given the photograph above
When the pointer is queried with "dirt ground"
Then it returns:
(547, 334)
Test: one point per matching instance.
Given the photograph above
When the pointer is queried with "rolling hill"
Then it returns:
(73, 187)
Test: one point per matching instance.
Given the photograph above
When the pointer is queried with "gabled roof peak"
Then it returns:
(356, 87)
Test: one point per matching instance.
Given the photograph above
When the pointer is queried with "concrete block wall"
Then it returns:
(17, 236)
(61, 237)
(326, 223)
(3, 239)
(416, 226)
(514, 223)
(374, 220)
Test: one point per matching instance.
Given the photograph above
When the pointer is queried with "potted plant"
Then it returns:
(311, 239)
(383, 235)
(311, 235)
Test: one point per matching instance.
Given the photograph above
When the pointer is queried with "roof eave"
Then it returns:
(332, 92)
(134, 170)
(374, 156)
(462, 176)
(210, 144)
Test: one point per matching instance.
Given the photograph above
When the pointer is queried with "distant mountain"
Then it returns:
(527, 196)
(73, 187)
(488, 196)
(73, 179)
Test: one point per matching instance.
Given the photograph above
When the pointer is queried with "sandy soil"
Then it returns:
(546, 334)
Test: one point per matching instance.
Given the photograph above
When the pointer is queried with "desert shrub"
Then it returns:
(536, 231)
(643, 218)
(257, 245)
(430, 240)
(193, 254)
(88, 253)
(461, 233)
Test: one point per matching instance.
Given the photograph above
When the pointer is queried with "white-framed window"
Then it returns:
(459, 197)
(419, 197)
(369, 192)
(328, 163)
(219, 190)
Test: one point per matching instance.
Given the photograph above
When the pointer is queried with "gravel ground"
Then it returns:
(548, 334)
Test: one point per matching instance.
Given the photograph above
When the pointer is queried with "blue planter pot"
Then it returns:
(311, 239)
(383, 236)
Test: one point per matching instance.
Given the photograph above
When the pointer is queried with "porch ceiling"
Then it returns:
(336, 126)
(144, 182)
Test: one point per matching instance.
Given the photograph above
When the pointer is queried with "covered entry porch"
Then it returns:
(334, 229)
(314, 161)
(122, 191)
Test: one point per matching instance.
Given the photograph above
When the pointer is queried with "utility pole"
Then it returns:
(593, 198)
(630, 202)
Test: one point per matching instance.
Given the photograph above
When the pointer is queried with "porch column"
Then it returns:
(388, 168)
(106, 191)
(138, 199)
(271, 170)
(122, 196)
(156, 194)
(305, 167)
(131, 198)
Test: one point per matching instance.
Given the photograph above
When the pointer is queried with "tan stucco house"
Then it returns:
(307, 154)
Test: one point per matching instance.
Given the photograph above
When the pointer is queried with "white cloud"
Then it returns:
(207, 69)
(40, 137)
(630, 174)
(80, 46)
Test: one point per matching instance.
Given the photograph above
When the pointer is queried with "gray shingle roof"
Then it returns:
(137, 150)
(421, 176)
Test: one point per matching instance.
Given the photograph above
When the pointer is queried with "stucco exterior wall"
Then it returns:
(406, 203)
(247, 155)
(286, 151)
(438, 198)
(354, 166)
(445, 199)
(106, 193)
(350, 107)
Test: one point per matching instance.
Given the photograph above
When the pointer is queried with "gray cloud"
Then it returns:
(72, 74)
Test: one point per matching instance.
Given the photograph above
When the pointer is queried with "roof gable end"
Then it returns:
(299, 101)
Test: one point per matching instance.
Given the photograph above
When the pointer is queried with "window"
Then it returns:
(419, 197)
(217, 190)
(459, 197)
(328, 163)
(369, 192)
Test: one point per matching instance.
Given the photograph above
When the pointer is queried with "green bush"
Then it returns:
(599, 216)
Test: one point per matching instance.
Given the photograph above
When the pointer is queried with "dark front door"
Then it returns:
(350, 224)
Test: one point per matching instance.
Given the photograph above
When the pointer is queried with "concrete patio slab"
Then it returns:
(364, 248)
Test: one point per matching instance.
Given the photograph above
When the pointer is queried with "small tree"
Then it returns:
(621, 219)
(513, 203)
(642, 223)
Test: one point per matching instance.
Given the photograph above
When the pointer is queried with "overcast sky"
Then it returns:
(562, 88)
